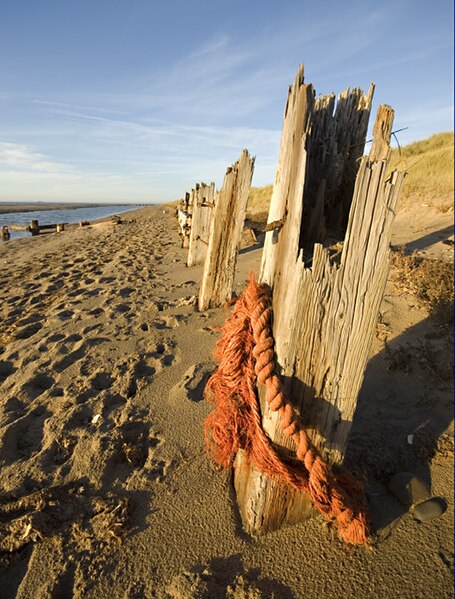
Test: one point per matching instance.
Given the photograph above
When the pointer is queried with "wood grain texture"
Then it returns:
(228, 218)
(201, 221)
(186, 207)
(325, 312)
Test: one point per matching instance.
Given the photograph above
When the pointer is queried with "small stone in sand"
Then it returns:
(433, 508)
(408, 488)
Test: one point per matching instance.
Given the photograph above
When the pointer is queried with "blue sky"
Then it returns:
(137, 100)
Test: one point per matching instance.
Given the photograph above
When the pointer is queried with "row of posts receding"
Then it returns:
(35, 228)
(326, 260)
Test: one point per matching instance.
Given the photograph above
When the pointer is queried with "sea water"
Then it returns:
(49, 217)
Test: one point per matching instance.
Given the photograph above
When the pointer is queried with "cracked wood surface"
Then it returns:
(224, 239)
(324, 312)
(204, 198)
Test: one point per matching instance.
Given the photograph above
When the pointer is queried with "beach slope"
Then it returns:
(106, 490)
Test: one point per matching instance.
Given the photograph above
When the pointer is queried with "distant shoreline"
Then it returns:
(8, 207)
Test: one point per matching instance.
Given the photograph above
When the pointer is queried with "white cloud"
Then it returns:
(21, 157)
(159, 132)
(65, 105)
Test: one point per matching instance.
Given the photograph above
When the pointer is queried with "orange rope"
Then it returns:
(246, 358)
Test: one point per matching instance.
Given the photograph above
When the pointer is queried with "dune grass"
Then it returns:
(429, 165)
(258, 204)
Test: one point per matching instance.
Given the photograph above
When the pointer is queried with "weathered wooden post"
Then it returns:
(325, 311)
(184, 213)
(228, 218)
(5, 233)
(34, 227)
(201, 220)
(186, 203)
(59, 227)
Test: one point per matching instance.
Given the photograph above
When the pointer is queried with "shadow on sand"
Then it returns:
(403, 412)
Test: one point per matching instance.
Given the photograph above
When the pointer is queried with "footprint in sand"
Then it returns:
(75, 292)
(60, 450)
(13, 410)
(168, 322)
(24, 437)
(13, 300)
(132, 448)
(93, 292)
(101, 380)
(111, 404)
(85, 396)
(74, 338)
(186, 284)
(195, 379)
(65, 314)
(44, 274)
(54, 338)
(12, 315)
(78, 417)
(6, 370)
(32, 319)
(70, 359)
(53, 287)
(37, 385)
(93, 328)
(132, 374)
(126, 291)
(162, 352)
(32, 286)
(122, 308)
(28, 331)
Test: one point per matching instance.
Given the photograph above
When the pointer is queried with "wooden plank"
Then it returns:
(228, 218)
(324, 312)
(201, 220)
(46, 227)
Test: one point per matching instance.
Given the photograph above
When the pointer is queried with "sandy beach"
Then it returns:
(106, 490)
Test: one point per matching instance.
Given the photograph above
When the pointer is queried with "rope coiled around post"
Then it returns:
(246, 358)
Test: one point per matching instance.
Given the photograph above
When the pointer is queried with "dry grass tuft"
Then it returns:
(431, 281)
(429, 166)
(257, 208)
(437, 362)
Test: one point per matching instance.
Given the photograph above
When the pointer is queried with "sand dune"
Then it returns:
(106, 490)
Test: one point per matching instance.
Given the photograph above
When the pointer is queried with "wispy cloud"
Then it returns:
(67, 105)
(152, 133)
(22, 158)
